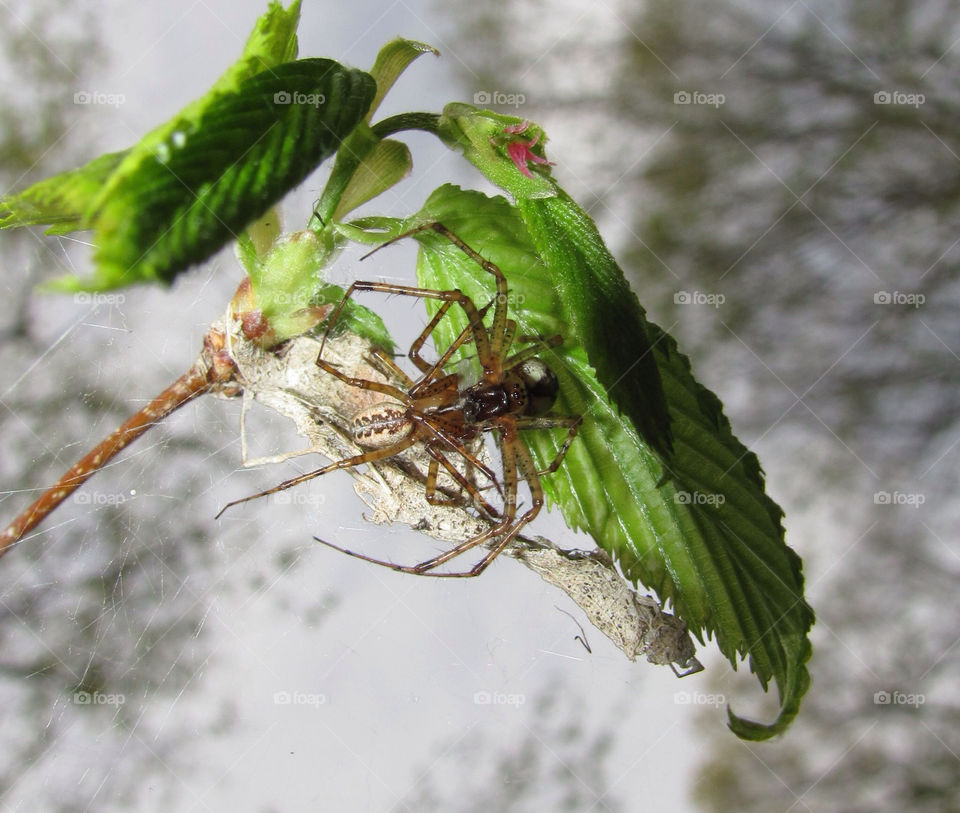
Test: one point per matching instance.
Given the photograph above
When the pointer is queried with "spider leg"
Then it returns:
(480, 337)
(335, 315)
(431, 487)
(540, 344)
(437, 368)
(424, 568)
(423, 366)
(364, 383)
(515, 457)
(498, 329)
(439, 459)
(246, 459)
(348, 462)
(571, 423)
(489, 347)
(516, 461)
(389, 367)
(361, 383)
(454, 443)
(509, 336)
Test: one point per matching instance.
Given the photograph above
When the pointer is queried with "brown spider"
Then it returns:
(514, 393)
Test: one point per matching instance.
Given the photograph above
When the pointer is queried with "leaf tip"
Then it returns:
(791, 693)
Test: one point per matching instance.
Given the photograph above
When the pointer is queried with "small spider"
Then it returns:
(515, 393)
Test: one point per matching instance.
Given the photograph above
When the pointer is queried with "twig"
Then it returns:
(209, 370)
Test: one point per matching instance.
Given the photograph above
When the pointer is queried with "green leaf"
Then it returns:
(696, 526)
(273, 41)
(391, 61)
(264, 231)
(204, 184)
(247, 254)
(70, 201)
(386, 164)
(61, 200)
(363, 169)
(370, 231)
(603, 313)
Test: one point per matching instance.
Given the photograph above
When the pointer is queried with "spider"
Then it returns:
(514, 393)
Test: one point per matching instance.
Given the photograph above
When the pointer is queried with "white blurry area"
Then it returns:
(382, 669)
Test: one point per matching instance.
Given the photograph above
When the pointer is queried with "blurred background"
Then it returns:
(781, 183)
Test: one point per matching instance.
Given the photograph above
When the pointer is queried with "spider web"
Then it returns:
(184, 636)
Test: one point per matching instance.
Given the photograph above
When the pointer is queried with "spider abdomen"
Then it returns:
(381, 425)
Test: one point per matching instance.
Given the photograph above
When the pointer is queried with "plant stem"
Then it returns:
(428, 122)
(207, 371)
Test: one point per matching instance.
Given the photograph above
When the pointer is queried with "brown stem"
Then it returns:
(208, 370)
